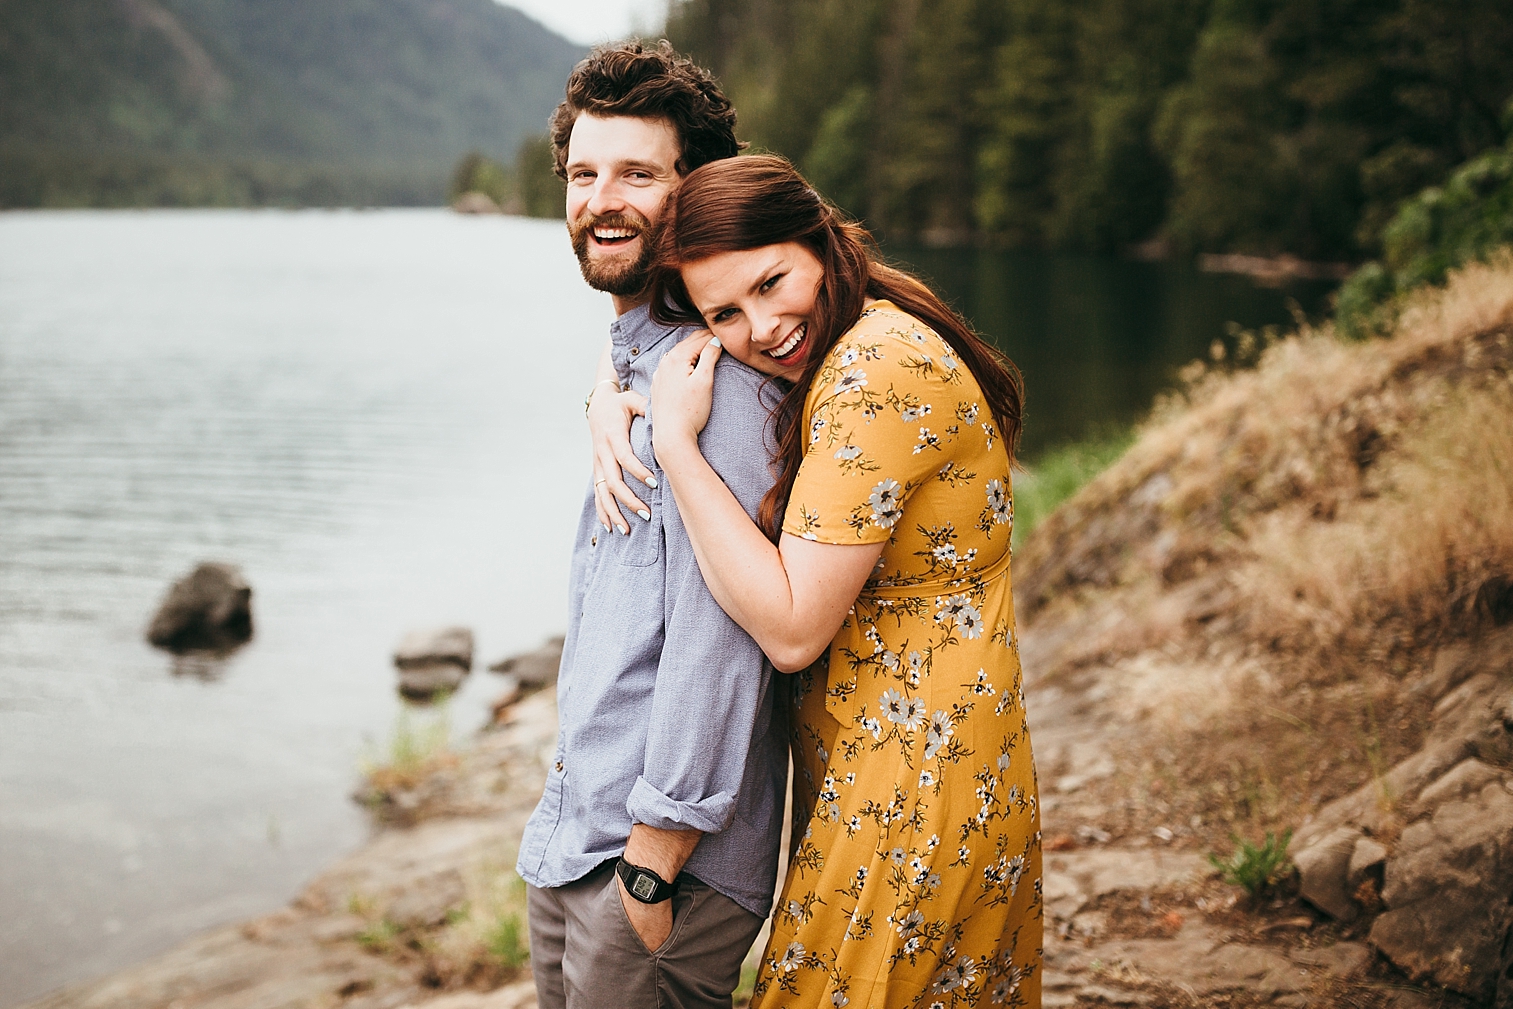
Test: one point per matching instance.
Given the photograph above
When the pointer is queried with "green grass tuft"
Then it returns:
(1255, 867)
(1056, 475)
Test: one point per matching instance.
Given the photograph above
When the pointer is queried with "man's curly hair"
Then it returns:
(631, 79)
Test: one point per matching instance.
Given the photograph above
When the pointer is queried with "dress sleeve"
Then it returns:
(885, 416)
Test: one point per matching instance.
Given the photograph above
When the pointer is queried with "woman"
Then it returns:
(914, 877)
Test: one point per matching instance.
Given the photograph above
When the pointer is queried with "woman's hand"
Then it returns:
(683, 390)
(609, 417)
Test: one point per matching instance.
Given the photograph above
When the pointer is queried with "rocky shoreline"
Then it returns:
(1130, 921)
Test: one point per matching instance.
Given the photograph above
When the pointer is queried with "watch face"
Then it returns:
(644, 886)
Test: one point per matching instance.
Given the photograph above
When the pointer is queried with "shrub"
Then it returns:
(1255, 867)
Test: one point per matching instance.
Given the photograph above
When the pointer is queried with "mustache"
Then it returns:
(588, 222)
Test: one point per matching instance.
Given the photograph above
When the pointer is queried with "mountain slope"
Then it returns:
(348, 89)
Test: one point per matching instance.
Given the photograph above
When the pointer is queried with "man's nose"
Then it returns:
(606, 199)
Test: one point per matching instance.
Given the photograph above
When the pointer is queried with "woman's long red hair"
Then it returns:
(737, 204)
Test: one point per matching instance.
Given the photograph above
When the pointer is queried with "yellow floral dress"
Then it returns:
(914, 878)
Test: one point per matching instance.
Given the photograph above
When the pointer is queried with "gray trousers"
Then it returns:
(585, 955)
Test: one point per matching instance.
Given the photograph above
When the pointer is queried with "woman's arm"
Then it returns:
(609, 416)
(792, 597)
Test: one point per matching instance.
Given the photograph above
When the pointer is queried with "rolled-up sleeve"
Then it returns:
(712, 691)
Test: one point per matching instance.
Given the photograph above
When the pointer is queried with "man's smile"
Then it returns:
(613, 237)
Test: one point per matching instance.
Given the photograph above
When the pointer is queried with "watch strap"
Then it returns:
(643, 884)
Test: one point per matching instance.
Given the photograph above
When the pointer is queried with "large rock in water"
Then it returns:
(211, 607)
(535, 670)
(433, 661)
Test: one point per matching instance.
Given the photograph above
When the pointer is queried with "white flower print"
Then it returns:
(926, 777)
(887, 503)
(793, 957)
(839, 999)
(948, 361)
(815, 427)
(999, 504)
(969, 414)
(896, 856)
(847, 452)
(910, 414)
(851, 381)
(873, 726)
(907, 711)
(848, 357)
(889, 659)
(960, 609)
(927, 440)
(939, 734)
(910, 923)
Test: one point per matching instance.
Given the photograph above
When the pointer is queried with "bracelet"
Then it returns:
(587, 400)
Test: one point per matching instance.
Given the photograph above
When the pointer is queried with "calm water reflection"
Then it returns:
(378, 415)
(1098, 338)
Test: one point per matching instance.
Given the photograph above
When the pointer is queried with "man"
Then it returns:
(652, 856)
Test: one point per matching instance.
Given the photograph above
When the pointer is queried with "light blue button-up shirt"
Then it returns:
(665, 706)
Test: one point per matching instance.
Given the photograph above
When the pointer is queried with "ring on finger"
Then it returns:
(602, 479)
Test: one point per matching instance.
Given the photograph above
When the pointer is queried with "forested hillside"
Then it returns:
(1260, 126)
(249, 101)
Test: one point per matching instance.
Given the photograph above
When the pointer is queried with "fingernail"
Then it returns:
(716, 342)
(623, 530)
(605, 525)
(644, 514)
(651, 482)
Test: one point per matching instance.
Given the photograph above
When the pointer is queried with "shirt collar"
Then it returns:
(636, 328)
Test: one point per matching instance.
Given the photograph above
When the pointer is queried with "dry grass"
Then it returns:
(1259, 581)
(1333, 486)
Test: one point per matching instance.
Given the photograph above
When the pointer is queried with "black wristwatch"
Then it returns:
(643, 884)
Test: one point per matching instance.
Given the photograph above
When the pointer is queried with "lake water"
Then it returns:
(378, 415)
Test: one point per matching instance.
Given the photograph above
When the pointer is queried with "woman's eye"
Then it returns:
(723, 315)
(771, 282)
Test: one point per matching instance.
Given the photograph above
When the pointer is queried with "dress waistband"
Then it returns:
(940, 586)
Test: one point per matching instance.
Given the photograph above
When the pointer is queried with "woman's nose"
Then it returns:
(766, 327)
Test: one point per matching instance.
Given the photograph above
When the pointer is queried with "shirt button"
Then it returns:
(559, 767)
(593, 541)
(634, 351)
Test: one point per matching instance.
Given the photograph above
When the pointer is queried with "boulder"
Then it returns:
(433, 661)
(1367, 861)
(1324, 873)
(534, 670)
(209, 608)
(1447, 892)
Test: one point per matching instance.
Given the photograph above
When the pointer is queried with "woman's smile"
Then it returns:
(790, 350)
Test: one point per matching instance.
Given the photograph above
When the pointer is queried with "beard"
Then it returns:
(620, 278)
